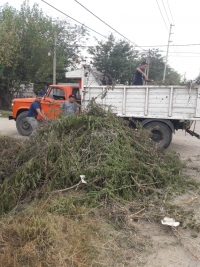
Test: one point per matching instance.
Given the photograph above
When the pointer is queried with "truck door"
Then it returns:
(52, 101)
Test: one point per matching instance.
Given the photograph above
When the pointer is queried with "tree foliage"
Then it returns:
(156, 68)
(115, 57)
(120, 60)
(8, 43)
(26, 37)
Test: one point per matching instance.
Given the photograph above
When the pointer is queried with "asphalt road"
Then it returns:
(184, 144)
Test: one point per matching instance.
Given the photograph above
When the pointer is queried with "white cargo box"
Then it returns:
(166, 102)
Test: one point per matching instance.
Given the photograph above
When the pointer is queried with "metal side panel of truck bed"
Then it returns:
(167, 102)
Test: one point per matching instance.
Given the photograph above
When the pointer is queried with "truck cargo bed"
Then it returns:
(166, 102)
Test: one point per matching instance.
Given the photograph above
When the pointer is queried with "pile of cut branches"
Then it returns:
(9, 148)
(117, 161)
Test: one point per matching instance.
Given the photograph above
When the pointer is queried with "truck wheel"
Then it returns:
(161, 134)
(23, 127)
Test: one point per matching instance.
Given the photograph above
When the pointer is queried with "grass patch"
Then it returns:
(81, 237)
(5, 113)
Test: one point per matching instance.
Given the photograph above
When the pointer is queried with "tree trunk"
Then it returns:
(6, 100)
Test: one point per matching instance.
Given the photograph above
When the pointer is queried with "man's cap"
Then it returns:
(72, 96)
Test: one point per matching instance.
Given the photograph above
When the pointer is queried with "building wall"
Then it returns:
(25, 91)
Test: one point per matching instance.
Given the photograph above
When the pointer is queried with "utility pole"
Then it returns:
(148, 62)
(54, 59)
(167, 52)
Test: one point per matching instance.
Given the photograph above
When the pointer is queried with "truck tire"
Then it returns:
(23, 127)
(161, 134)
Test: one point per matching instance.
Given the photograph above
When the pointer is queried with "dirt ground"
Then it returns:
(8, 127)
(180, 247)
(170, 247)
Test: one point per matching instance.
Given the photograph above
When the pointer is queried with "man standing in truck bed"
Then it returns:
(35, 110)
(140, 75)
(70, 106)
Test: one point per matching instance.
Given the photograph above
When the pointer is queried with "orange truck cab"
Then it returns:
(56, 94)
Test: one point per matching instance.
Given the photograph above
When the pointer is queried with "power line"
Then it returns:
(194, 53)
(86, 46)
(170, 12)
(73, 19)
(182, 56)
(166, 12)
(175, 49)
(184, 52)
(162, 15)
(170, 24)
(108, 25)
(87, 26)
(165, 22)
(169, 45)
(148, 46)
